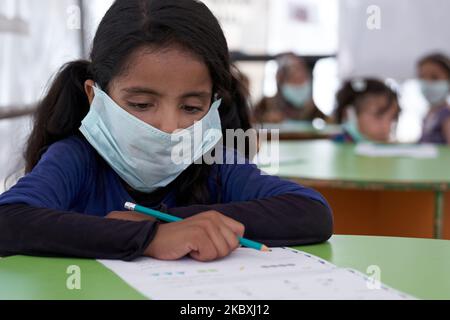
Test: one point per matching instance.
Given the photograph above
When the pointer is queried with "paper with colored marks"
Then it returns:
(283, 273)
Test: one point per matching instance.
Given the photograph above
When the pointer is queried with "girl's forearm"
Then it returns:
(283, 220)
(43, 232)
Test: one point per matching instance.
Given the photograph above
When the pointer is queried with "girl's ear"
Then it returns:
(88, 88)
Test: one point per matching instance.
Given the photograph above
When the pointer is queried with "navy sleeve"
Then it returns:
(284, 220)
(56, 180)
(244, 182)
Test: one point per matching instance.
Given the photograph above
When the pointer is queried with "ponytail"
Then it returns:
(60, 112)
(345, 97)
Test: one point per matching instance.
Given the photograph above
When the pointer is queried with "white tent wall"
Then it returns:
(93, 12)
(408, 29)
(36, 38)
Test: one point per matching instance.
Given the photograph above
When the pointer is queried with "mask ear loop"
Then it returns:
(96, 85)
(351, 114)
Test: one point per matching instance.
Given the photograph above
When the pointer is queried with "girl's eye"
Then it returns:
(192, 109)
(140, 106)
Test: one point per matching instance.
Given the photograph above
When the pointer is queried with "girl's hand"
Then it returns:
(129, 216)
(206, 236)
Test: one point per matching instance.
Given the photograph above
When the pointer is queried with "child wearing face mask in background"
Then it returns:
(434, 75)
(293, 100)
(368, 110)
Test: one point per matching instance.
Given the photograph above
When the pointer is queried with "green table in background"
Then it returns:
(335, 165)
(302, 130)
(418, 267)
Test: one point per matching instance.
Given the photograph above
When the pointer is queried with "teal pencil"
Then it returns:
(169, 218)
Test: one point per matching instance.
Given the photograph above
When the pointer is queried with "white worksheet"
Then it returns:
(424, 151)
(283, 273)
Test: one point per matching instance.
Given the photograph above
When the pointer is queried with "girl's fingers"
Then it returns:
(203, 248)
(218, 218)
(237, 227)
(217, 238)
(222, 233)
(230, 237)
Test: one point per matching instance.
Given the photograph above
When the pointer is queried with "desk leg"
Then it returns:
(438, 214)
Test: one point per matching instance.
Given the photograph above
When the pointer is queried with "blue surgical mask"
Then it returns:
(435, 92)
(297, 95)
(143, 156)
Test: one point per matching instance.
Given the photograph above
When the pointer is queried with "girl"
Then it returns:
(368, 109)
(293, 100)
(103, 134)
(434, 74)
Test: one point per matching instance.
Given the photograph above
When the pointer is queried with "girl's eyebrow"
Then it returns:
(140, 90)
(197, 94)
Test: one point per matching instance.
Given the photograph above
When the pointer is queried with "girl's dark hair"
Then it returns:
(127, 26)
(437, 58)
(353, 92)
(285, 61)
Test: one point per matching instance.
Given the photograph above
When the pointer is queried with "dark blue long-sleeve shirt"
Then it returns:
(71, 182)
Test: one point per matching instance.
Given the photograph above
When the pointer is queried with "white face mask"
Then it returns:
(351, 126)
(436, 91)
(142, 155)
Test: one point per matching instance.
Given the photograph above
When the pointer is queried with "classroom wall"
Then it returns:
(408, 29)
(27, 60)
(13, 135)
(48, 36)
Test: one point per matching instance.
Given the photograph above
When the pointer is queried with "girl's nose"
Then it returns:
(166, 120)
(168, 125)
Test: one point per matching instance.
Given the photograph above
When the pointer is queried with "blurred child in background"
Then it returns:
(368, 110)
(293, 100)
(434, 74)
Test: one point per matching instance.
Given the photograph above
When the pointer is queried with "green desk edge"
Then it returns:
(418, 267)
(340, 167)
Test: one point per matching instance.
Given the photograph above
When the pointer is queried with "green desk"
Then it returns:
(416, 266)
(333, 165)
(301, 130)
